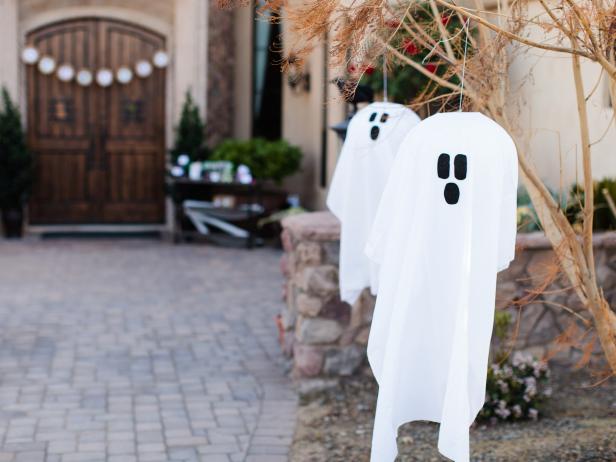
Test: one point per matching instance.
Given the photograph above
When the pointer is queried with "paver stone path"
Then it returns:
(137, 350)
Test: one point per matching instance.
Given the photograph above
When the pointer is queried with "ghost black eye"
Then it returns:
(459, 166)
(384, 117)
(442, 166)
(372, 117)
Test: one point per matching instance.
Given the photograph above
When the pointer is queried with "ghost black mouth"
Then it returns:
(374, 133)
(452, 193)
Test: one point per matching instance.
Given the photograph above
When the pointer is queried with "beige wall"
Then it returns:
(162, 9)
(9, 58)
(303, 124)
(190, 33)
(545, 105)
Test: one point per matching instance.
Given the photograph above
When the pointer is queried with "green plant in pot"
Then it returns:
(16, 168)
(267, 160)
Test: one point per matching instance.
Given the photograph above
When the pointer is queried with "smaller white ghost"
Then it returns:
(373, 138)
(445, 226)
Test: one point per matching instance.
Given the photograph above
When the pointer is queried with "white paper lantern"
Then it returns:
(66, 73)
(161, 59)
(47, 65)
(143, 69)
(30, 55)
(104, 77)
(84, 78)
(124, 75)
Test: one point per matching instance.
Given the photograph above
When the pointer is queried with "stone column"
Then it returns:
(9, 38)
(221, 63)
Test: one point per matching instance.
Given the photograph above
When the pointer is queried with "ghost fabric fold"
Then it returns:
(373, 138)
(445, 226)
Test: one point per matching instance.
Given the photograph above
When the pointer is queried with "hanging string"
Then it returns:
(433, 50)
(464, 64)
(385, 78)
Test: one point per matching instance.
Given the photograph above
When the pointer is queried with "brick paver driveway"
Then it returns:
(136, 350)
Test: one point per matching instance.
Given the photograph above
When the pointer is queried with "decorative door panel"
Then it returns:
(100, 151)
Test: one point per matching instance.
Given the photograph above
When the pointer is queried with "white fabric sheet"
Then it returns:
(373, 137)
(439, 255)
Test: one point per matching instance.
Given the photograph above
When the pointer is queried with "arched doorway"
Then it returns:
(100, 152)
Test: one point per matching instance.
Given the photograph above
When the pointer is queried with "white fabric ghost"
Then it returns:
(445, 226)
(373, 137)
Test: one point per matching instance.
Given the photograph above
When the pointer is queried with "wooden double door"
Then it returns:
(100, 152)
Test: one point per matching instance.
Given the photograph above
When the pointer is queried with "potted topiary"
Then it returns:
(189, 134)
(15, 168)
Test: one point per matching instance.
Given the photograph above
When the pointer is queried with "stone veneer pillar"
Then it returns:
(327, 337)
(324, 335)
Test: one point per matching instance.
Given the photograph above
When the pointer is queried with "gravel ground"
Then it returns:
(578, 424)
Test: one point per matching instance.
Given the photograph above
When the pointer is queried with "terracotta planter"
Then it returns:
(13, 221)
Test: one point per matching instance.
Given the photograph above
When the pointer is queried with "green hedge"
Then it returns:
(267, 160)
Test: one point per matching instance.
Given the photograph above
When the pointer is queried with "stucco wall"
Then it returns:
(543, 99)
(162, 9)
(307, 117)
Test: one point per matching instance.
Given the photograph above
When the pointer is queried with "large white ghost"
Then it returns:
(445, 226)
(373, 138)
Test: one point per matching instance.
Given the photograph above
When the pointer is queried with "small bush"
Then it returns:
(571, 203)
(603, 219)
(16, 162)
(267, 160)
(190, 133)
(516, 390)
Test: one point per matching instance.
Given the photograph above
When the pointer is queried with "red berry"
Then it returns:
(431, 67)
(409, 47)
(369, 70)
(445, 19)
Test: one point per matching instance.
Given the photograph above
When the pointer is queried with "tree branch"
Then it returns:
(442, 30)
(468, 12)
(587, 165)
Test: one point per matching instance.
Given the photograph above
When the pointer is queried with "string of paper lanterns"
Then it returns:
(104, 77)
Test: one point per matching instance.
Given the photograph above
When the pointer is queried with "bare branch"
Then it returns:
(470, 13)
